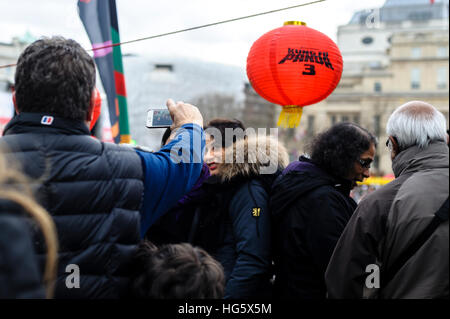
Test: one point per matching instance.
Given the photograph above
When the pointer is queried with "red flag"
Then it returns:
(95, 16)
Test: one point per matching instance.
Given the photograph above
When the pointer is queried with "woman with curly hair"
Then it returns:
(311, 205)
(19, 271)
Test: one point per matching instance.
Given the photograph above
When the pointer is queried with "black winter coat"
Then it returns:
(20, 276)
(220, 220)
(310, 210)
(93, 191)
(234, 227)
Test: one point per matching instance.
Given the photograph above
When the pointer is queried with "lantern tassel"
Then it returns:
(290, 116)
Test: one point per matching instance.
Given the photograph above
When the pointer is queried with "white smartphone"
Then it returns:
(157, 118)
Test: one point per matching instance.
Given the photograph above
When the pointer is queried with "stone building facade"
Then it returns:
(413, 65)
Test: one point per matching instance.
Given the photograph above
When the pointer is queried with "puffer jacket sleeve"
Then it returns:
(251, 228)
(356, 257)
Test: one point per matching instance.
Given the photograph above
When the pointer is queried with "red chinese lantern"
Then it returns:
(294, 66)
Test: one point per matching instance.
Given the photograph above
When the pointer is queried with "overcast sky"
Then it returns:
(227, 43)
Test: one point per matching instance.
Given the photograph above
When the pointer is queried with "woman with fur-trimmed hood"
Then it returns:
(233, 222)
(228, 214)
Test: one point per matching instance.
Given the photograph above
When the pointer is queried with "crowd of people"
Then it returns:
(211, 215)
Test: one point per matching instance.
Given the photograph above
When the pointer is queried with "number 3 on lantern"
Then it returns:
(310, 68)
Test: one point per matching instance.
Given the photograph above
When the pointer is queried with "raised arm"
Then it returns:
(171, 172)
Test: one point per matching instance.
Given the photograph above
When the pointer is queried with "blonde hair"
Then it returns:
(14, 186)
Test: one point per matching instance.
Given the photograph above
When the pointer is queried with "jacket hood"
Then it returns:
(414, 159)
(299, 178)
(253, 156)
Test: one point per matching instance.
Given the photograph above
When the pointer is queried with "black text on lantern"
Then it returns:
(296, 55)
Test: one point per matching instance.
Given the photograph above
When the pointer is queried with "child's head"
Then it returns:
(177, 271)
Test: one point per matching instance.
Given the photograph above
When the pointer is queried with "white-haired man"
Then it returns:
(393, 245)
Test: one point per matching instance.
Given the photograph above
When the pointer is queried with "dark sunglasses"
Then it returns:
(365, 163)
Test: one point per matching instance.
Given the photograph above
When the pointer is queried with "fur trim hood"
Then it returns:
(253, 156)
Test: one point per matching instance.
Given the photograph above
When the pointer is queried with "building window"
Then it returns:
(418, 16)
(376, 132)
(333, 119)
(290, 133)
(310, 125)
(415, 79)
(416, 52)
(164, 67)
(376, 162)
(376, 125)
(442, 78)
(377, 87)
(345, 117)
(367, 40)
(441, 52)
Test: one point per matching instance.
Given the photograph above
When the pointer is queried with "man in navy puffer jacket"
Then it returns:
(102, 197)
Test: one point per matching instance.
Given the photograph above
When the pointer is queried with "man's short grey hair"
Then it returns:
(417, 123)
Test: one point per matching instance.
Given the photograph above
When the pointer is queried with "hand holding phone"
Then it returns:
(184, 113)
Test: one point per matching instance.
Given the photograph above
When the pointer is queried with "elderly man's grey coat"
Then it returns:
(384, 225)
